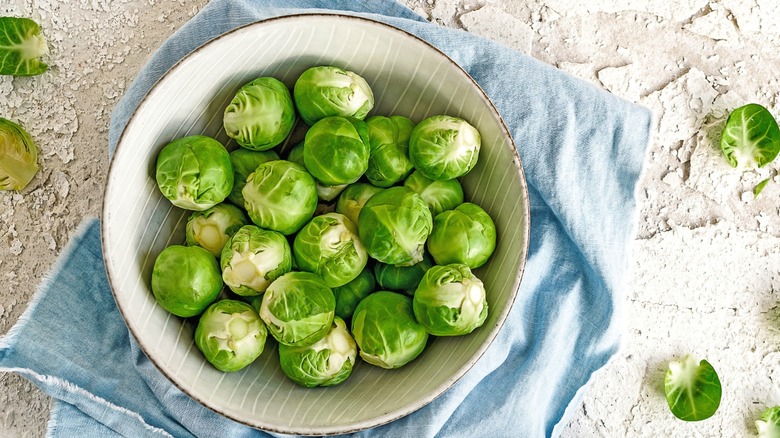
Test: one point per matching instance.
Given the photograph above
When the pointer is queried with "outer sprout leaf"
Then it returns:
(769, 424)
(692, 389)
(760, 186)
(21, 46)
(751, 138)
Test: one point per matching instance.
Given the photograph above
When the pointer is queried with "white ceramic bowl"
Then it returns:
(408, 77)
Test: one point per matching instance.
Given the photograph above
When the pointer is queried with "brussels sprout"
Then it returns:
(336, 150)
(195, 172)
(324, 193)
(353, 198)
(439, 195)
(768, 425)
(245, 162)
(349, 295)
(253, 258)
(389, 159)
(330, 91)
(450, 301)
(692, 389)
(327, 362)
(329, 247)
(185, 280)
(402, 278)
(210, 229)
(464, 235)
(261, 115)
(298, 308)
(230, 335)
(18, 156)
(393, 226)
(751, 137)
(444, 147)
(21, 46)
(385, 330)
(280, 196)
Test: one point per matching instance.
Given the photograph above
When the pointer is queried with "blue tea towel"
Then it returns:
(582, 151)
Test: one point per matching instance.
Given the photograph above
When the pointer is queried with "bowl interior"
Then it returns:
(408, 77)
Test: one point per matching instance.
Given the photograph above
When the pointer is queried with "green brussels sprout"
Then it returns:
(444, 147)
(325, 91)
(195, 172)
(210, 229)
(21, 47)
(231, 335)
(439, 195)
(245, 162)
(329, 247)
(298, 308)
(280, 196)
(324, 193)
(389, 159)
(464, 235)
(327, 362)
(385, 330)
(402, 278)
(450, 301)
(393, 226)
(349, 295)
(18, 156)
(261, 115)
(185, 280)
(253, 258)
(353, 198)
(336, 150)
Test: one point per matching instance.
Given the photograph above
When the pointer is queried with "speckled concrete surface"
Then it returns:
(705, 272)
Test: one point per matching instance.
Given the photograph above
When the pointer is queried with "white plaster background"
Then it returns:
(705, 271)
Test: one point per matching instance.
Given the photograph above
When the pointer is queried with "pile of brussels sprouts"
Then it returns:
(365, 221)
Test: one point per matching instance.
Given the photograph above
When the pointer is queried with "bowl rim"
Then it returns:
(446, 384)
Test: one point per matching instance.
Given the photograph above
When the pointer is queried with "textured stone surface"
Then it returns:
(705, 271)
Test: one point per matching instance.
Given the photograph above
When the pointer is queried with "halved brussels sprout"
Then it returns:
(385, 330)
(444, 147)
(353, 198)
(450, 301)
(210, 229)
(280, 196)
(185, 280)
(327, 362)
(325, 91)
(231, 335)
(18, 156)
(21, 47)
(402, 278)
(439, 195)
(464, 235)
(253, 258)
(245, 162)
(336, 150)
(261, 115)
(389, 161)
(349, 295)
(325, 193)
(298, 308)
(329, 247)
(393, 226)
(195, 172)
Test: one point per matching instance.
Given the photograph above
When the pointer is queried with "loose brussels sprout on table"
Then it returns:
(185, 280)
(336, 150)
(444, 147)
(327, 362)
(253, 258)
(325, 91)
(329, 247)
(464, 235)
(389, 159)
(450, 301)
(353, 198)
(210, 229)
(394, 225)
(230, 335)
(402, 278)
(439, 195)
(280, 196)
(21, 47)
(18, 156)
(349, 295)
(195, 172)
(385, 330)
(245, 162)
(298, 308)
(261, 115)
